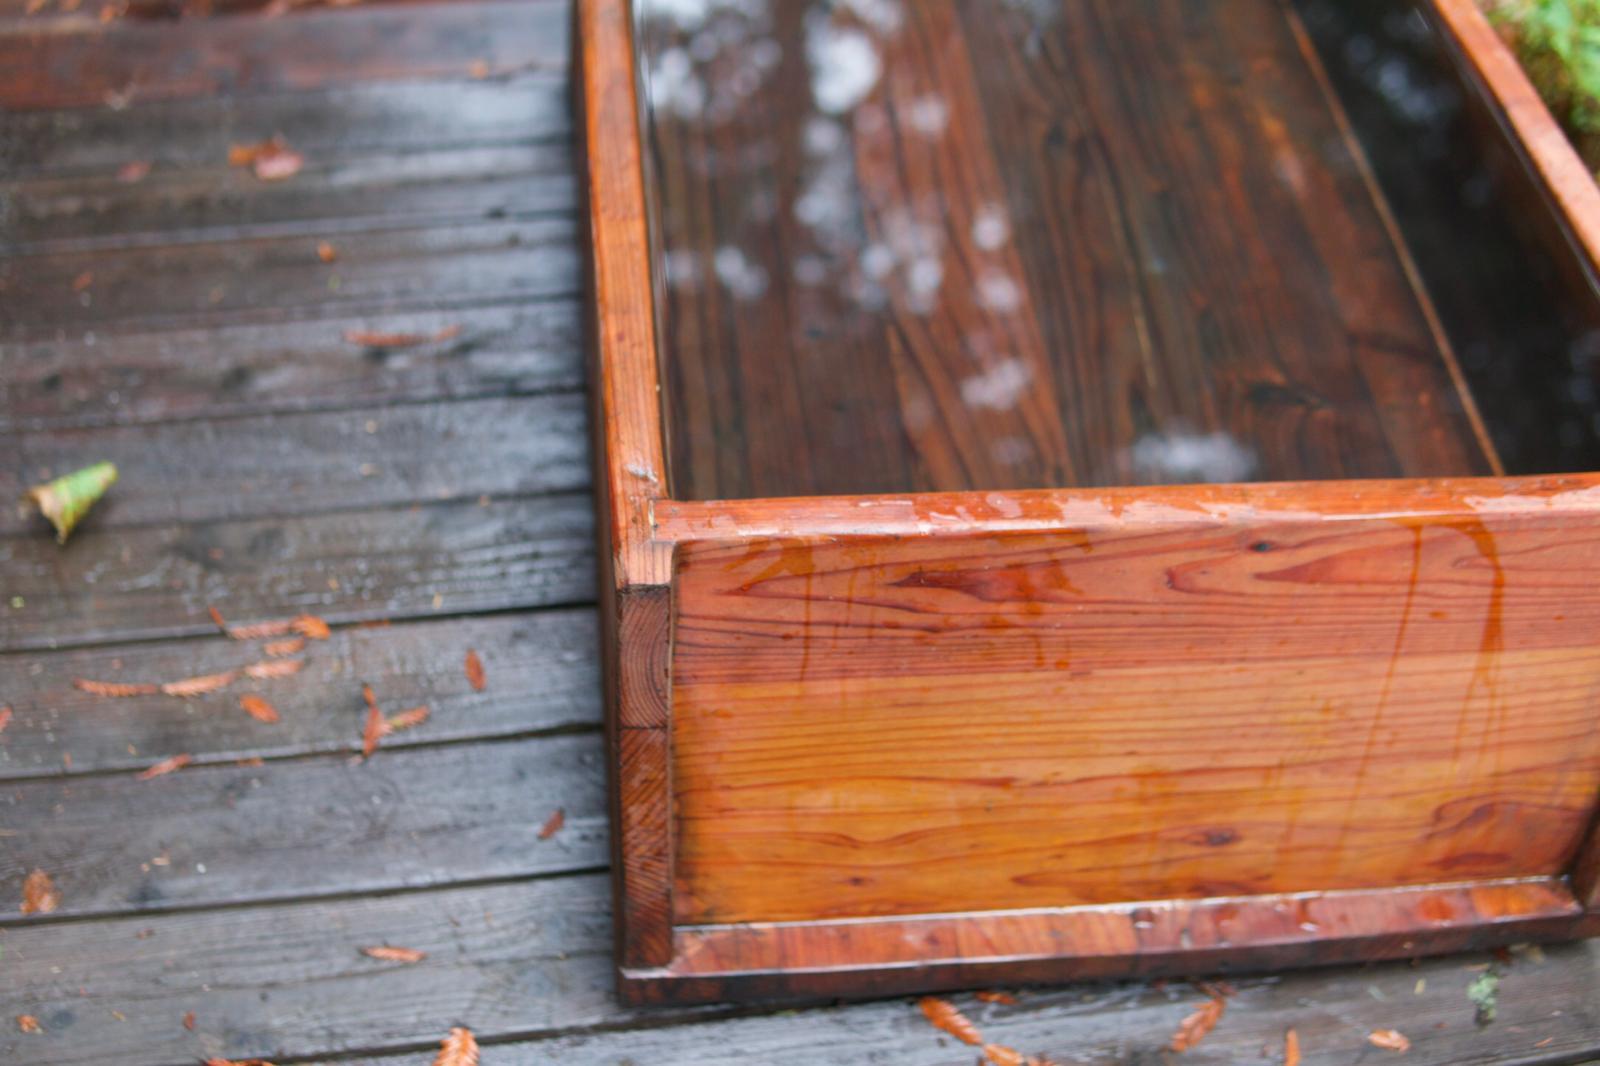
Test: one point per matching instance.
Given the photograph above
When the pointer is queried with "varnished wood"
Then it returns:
(899, 730)
(874, 725)
(1226, 935)
(1177, 254)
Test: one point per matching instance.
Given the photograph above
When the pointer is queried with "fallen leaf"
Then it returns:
(1194, 1028)
(406, 720)
(28, 1023)
(1291, 1048)
(199, 686)
(475, 675)
(165, 766)
(5, 718)
(188, 1021)
(1483, 993)
(274, 668)
(285, 647)
(217, 619)
(1389, 1039)
(278, 165)
(1000, 1055)
(1005, 998)
(39, 894)
(134, 170)
(388, 954)
(552, 826)
(113, 689)
(68, 498)
(327, 252)
(259, 709)
(83, 281)
(942, 1013)
(460, 1048)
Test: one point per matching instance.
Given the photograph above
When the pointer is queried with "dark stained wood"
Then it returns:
(212, 281)
(289, 464)
(77, 65)
(542, 669)
(350, 566)
(1070, 260)
(110, 377)
(303, 828)
(375, 191)
(323, 124)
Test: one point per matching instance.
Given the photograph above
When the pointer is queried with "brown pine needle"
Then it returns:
(475, 674)
(188, 1021)
(1291, 1048)
(406, 720)
(552, 825)
(39, 894)
(1000, 1055)
(165, 766)
(1194, 1028)
(270, 668)
(1389, 1040)
(942, 1013)
(216, 618)
(389, 954)
(373, 730)
(1005, 998)
(200, 686)
(5, 718)
(460, 1048)
(309, 625)
(259, 709)
(114, 689)
(27, 1023)
(292, 646)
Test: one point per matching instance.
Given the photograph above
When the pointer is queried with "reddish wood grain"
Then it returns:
(951, 951)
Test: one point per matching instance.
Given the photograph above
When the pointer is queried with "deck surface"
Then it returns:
(184, 326)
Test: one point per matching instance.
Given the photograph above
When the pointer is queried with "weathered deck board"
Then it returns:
(426, 267)
(324, 124)
(541, 665)
(350, 566)
(305, 828)
(306, 364)
(290, 464)
(75, 64)
(330, 199)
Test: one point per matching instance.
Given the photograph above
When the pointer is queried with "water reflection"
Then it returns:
(965, 244)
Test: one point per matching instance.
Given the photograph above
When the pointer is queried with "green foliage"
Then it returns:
(1559, 43)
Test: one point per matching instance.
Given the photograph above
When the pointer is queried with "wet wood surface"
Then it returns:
(1035, 252)
(243, 893)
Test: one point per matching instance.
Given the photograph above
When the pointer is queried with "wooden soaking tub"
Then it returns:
(1087, 489)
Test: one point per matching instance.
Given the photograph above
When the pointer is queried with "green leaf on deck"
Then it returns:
(67, 499)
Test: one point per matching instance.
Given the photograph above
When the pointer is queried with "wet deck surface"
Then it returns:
(185, 327)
